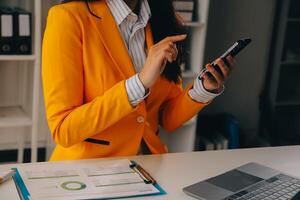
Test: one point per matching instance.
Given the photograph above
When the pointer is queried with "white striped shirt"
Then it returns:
(131, 27)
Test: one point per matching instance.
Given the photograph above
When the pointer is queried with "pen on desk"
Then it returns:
(140, 174)
(145, 175)
(4, 176)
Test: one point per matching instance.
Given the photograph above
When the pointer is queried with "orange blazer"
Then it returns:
(84, 67)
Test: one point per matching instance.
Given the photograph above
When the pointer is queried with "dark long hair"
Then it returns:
(163, 23)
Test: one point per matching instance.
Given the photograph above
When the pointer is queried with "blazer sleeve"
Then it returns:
(178, 108)
(70, 120)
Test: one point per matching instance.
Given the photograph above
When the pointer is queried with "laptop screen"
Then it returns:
(234, 180)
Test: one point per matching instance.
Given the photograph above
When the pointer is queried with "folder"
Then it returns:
(93, 179)
(22, 33)
(6, 30)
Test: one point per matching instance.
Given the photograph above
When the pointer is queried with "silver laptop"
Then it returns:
(250, 181)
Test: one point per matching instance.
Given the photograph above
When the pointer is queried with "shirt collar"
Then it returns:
(121, 11)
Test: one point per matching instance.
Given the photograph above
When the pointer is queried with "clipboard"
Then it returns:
(148, 180)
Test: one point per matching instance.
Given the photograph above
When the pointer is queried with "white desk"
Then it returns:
(175, 171)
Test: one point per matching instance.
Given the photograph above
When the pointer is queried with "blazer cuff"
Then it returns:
(200, 94)
(135, 90)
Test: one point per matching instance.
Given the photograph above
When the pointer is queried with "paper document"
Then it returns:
(90, 180)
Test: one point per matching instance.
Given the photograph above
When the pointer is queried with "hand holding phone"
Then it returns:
(237, 47)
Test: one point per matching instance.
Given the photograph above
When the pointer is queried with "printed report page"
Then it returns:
(84, 181)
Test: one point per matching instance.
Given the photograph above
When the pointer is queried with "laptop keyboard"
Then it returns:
(280, 187)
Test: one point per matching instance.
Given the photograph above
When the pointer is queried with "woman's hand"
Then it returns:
(158, 56)
(214, 82)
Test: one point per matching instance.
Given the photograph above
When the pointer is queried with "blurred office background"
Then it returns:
(260, 106)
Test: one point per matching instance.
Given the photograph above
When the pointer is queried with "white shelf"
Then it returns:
(190, 122)
(194, 24)
(17, 57)
(189, 74)
(13, 117)
(27, 145)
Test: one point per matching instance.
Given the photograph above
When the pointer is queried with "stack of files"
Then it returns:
(214, 142)
(220, 141)
(15, 31)
(204, 144)
(91, 179)
(185, 9)
(221, 130)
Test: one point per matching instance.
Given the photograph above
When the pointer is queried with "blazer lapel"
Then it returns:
(111, 38)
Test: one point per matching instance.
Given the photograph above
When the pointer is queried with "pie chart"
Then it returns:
(73, 185)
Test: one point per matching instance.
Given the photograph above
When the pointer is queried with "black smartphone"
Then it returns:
(237, 47)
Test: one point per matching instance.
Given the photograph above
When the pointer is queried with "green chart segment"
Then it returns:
(73, 185)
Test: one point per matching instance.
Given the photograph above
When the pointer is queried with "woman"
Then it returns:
(111, 76)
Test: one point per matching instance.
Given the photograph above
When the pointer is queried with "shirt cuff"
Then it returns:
(135, 90)
(200, 94)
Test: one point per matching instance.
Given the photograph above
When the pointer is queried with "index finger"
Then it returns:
(176, 38)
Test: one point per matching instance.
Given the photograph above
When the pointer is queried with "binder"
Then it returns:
(81, 186)
(184, 9)
(15, 31)
(186, 16)
(6, 30)
(184, 5)
(22, 31)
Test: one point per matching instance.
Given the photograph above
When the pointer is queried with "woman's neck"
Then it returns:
(133, 5)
